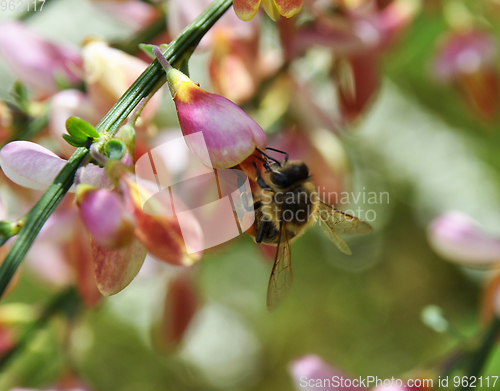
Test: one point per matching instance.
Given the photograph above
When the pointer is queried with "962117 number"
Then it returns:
(473, 381)
(21, 5)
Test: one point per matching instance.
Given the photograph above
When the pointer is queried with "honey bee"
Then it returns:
(286, 204)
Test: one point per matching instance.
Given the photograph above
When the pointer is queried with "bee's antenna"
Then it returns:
(277, 150)
(269, 157)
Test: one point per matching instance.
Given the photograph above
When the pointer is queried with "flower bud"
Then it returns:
(230, 135)
(105, 216)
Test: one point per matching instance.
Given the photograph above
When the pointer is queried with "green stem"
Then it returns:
(149, 81)
(66, 300)
(481, 355)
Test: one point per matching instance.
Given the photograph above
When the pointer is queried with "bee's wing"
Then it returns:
(335, 238)
(281, 276)
(334, 222)
(341, 222)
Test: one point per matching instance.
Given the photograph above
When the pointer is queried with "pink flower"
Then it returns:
(228, 132)
(457, 237)
(35, 61)
(468, 59)
(114, 219)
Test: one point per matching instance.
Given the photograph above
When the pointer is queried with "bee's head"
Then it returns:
(288, 174)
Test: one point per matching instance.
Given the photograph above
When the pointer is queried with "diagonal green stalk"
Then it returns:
(481, 355)
(149, 81)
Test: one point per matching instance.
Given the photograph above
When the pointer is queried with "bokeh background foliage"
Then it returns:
(418, 142)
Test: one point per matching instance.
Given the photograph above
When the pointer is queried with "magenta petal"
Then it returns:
(105, 217)
(213, 123)
(115, 269)
(457, 237)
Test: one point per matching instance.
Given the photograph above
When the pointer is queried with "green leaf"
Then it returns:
(74, 141)
(148, 49)
(20, 95)
(80, 129)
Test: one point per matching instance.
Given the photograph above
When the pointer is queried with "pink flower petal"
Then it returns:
(33, 166)
(455, 236)
(94, 176)
(105, 217)
(29, 164)
(115, 269)
(229, 134)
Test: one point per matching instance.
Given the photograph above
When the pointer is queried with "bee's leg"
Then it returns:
(261, 181)
(262, 231)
